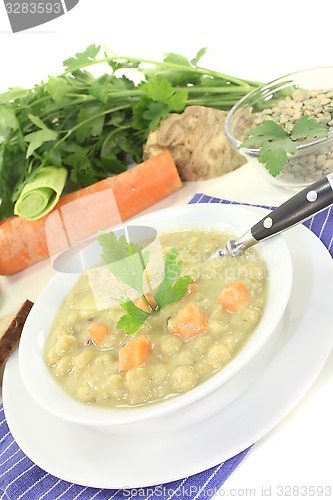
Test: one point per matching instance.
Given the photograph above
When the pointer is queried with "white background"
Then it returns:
(258, 40)
(255, 39)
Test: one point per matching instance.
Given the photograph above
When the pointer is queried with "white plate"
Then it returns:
(196, 438)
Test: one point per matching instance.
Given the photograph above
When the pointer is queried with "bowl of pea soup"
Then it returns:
(154, 326)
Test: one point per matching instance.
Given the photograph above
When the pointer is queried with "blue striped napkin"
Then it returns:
(321, 224)
(20, 478)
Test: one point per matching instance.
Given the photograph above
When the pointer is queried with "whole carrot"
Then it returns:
(24, 242)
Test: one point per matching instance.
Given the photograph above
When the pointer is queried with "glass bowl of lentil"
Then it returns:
(285, 100)
(85, 384)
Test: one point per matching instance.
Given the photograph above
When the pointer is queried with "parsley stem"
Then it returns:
(147, 302)
(183, 67)
(166, 64)
(223, 90)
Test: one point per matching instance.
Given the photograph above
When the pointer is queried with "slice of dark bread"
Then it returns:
(11, 327)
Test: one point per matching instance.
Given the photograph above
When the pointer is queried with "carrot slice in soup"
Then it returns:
(133, 354)
(189, 321)
(142, 304)
(98, 331)
(234, 297)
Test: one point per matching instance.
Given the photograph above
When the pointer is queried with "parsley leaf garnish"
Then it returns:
(274, 154)
(171, 289)
(133, 319)
(128, 261)
(268, 130)
(276, 143)
(306, 128)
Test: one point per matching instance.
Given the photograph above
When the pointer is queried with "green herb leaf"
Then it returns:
(36, 120)
(139, 109)
(172, 287)
(81, 171)
(36, 139)
(274, 154)
(13, 94)
(178, 100)
(127, 261)
(134, 318)
(91, 121)
(58, 87)
(154, 113)
(158, 90)
(8, 120)
(276, 144)
(307, 128)
(163, 92)
(198, 56)
(158, 99)
(268, 130)
(182, 76)
(82, 58)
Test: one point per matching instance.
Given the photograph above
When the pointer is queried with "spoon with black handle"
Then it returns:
(298, 208)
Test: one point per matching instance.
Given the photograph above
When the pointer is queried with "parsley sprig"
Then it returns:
(128, 261)
(276, 143)
(96, 126)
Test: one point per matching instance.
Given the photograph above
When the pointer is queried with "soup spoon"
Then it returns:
(298, 208)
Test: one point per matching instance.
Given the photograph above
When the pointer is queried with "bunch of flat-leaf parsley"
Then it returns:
(95, 126)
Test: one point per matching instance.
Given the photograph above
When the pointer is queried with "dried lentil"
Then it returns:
(317, 104)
